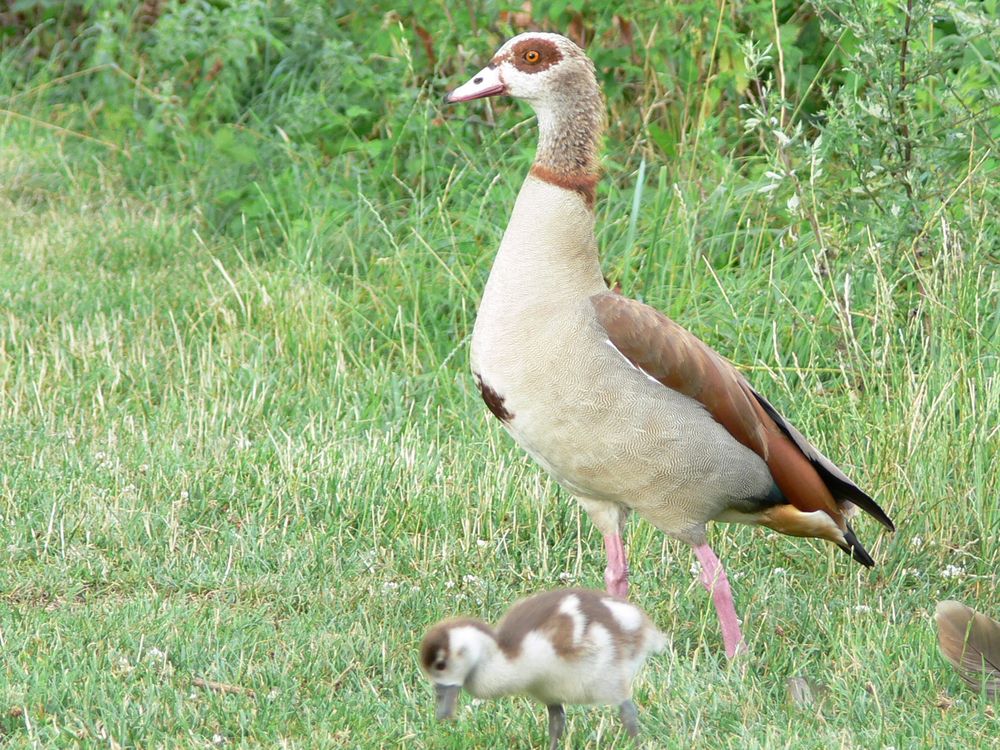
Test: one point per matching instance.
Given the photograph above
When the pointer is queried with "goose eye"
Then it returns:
(532, 56)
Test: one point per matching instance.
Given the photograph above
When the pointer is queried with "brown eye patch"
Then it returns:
(535, 55)
(434, 649)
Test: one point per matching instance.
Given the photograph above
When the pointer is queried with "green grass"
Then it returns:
(250, 452)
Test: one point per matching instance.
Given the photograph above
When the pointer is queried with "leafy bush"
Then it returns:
(850, 116)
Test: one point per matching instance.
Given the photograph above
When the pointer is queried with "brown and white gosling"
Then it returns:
(572, 646)
(620, 404)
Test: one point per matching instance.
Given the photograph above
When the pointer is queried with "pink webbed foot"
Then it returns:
(713, 577)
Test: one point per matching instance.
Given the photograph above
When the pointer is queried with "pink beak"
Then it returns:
(485, 83)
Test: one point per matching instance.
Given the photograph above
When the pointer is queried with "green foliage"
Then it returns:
(229, 97)
(214, 54)
(917, 118)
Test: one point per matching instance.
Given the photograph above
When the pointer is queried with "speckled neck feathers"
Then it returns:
(570, 127)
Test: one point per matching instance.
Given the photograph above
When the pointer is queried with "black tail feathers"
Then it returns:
(854, 548)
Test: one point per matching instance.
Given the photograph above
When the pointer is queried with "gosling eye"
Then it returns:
(532, 56)
(440, 664)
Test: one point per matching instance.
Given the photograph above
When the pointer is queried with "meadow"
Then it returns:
(243, 464)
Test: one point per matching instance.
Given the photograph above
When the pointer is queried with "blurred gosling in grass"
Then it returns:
(572, 646)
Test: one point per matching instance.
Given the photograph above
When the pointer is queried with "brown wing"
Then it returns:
(676, 358)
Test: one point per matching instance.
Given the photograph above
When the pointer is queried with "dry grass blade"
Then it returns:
(971, 642)
(222, 687)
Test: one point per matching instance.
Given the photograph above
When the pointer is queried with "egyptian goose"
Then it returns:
(624, 408)
(567, 646)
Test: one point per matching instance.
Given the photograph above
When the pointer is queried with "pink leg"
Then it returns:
(713, 576)
(616, 574)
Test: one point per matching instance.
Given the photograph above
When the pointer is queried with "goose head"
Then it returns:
(557, 79)
(543, 69)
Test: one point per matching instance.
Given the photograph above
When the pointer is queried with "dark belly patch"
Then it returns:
(760, 503)
(494, 401)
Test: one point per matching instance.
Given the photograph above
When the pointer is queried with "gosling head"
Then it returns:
(450, 652)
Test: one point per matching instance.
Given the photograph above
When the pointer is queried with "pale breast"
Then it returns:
(545, 368)
(607, 432)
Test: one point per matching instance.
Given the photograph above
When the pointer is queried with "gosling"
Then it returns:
(573, 646)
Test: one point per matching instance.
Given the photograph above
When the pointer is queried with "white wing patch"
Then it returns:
(600, 641)
(629, 362)
(536, 650)
(571, 606)
(625, 615)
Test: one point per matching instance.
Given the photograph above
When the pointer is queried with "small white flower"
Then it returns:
(218, 739)
(390, 586)
(154, 654)
(953, 571)
(695, 569)
(779, 571)
(862, 609)
(144, 469)
(469, 578)
(481, 543)
(895, 210)
(184, 495)
(449, 584)
(564, 576)
(917, 541)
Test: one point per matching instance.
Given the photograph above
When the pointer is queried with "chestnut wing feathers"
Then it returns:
(666, 352)
(841, 487)
(671, 355)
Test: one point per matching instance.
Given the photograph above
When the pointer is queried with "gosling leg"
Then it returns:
(630, 718)
(557, 720)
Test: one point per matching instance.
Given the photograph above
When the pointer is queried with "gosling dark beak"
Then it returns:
(447, 699)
